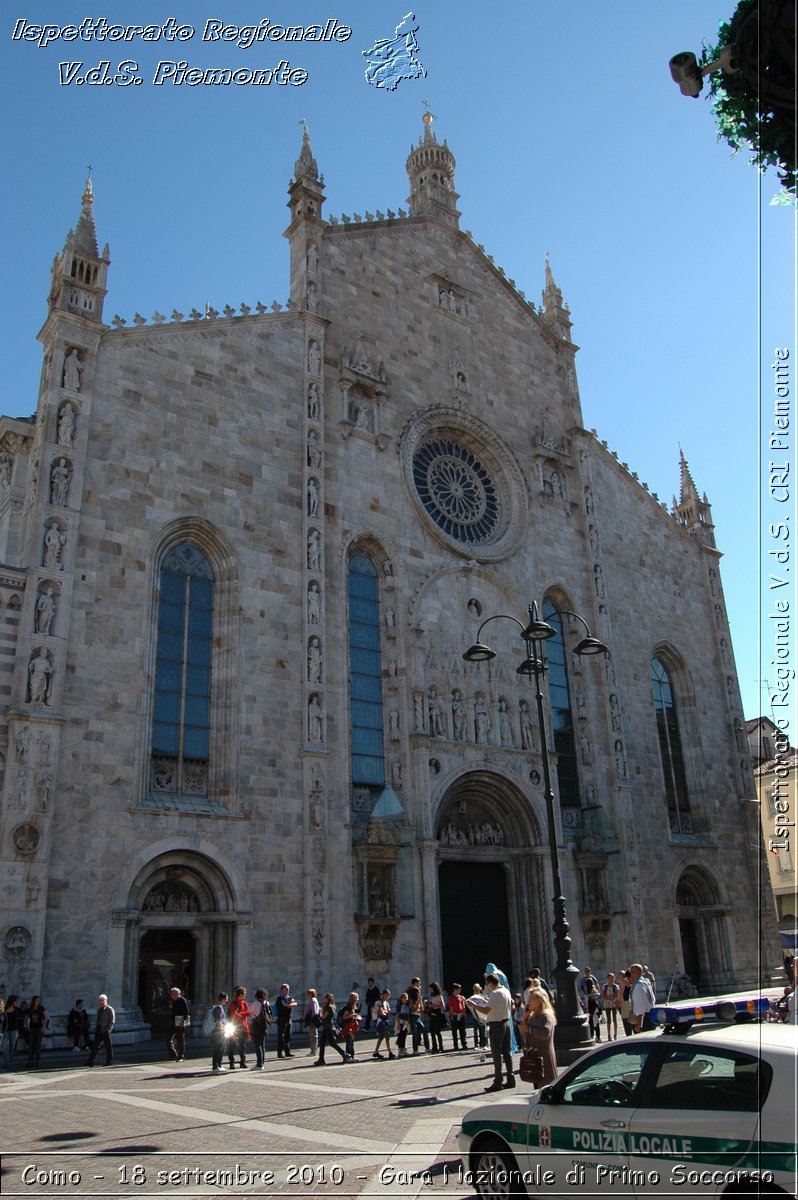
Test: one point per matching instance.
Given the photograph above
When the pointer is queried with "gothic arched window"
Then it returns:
(562, 720)
(670, 744)
(365, 674)
(182, 700)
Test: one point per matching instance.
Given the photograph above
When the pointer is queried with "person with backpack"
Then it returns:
(261, 1017)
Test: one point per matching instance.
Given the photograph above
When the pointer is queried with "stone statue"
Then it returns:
(66, 425)
(314, 661)
(437, 720)
(315, 718)
(312, 258)
(528, 740)
(54, 541)
(314, 358)
(393, 724)
(59, 482)
(40, 671)
(312, 298)
(313, 402)
(45, 611)
(362, 416)
(481, 721)
(314, 450)
(586, 752)
(458, 716)
(73, 369)
(313, 498)
(505, 725)
(22, 740)
(314, 604)
(314, 550)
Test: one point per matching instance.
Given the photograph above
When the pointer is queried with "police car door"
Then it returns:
(698, 1120)
(580, 1130)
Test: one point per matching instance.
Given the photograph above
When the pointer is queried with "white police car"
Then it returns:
(699, 1109)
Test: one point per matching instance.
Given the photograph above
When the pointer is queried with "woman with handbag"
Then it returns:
(329, 1033)
(540, 1067)
(260, 1018)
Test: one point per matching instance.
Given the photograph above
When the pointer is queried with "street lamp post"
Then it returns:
(571, 1035)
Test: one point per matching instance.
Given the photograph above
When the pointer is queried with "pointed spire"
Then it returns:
(691, 510)
(687, 490)
(556, 314)
(84, 239)
(305, 167)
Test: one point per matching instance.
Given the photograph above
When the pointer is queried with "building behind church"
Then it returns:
(243, 555)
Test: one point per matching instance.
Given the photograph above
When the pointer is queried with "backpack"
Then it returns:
(209, 1024)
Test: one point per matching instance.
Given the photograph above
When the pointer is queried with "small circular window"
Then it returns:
(456, 490)
(465, 482)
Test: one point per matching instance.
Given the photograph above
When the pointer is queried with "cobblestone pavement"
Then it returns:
(149, 1127)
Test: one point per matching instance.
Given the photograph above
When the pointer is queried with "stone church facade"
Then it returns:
(242, 556)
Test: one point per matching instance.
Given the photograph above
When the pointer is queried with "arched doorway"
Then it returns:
(702, 931)
(490, 880)
(185, 934)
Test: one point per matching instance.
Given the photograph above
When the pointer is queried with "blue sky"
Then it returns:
(570, 137)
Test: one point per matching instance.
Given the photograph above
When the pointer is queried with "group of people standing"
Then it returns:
(22, 1022)
(631, 994)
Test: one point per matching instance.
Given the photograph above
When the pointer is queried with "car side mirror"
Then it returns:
(547, 1095)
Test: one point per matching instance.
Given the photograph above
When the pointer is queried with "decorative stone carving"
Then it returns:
(394, 724)
(44, 791)
(26, 839)
(17, 943)
(312, 298)
(33, 481)
(171, 897)
(314, 660)
(22, 743)
(6, 463)
(418, 711)
(44, 612)
(40, 675)
(66, 425)
(312, 258)
(437, 716)
(505, 725)
(314, 603)
(459, 371)
(315, 719)
(598, 580)
(314, 450)
(73, 369)
(314, 550)
(488, 833)
(43, 743)
(60, 477)
(313, 402)
(459, 716)
(615, 714)
(314, 357)
(585, 750)
(313, 498)
(620, 760)
(54, 542)
(482, 722)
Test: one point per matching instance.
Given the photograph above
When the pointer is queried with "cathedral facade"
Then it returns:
(243, 556)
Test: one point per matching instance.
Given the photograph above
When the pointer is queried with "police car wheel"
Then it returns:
(495, 1171)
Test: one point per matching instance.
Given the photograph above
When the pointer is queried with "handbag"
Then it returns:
(531, 1068)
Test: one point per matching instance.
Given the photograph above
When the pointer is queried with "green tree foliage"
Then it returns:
(755, 105)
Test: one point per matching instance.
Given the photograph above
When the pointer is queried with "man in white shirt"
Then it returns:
(497, 1006)
(641, 998)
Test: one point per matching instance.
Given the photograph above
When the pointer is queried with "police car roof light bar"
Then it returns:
(678, 1018)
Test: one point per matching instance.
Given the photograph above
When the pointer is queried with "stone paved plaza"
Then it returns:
(149, 1127)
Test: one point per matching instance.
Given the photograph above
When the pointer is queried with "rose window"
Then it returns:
(456, 490)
